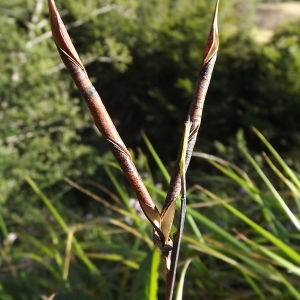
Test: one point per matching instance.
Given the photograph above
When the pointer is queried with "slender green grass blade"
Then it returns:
(38, 244)
(115, 257)
(277, 196)
(124, 198)
(223, 162)
(119, 189)
(181, 281)
(41, 260)
(273, 239)
(287, 169)
(242, 182)
(64, 226)
(153, 288)
(288, 183)
(3, 225)
(210, 251)
(254, 286)
(246, 258)
(195, 228)
(248, 186)
(291, 268)
(145, 285)
(158, 161)
(201, 267)
(217, 229)
(49, 204)
(291, 288)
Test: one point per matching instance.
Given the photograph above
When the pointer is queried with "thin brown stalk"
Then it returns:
(195, 111)
(178, 183)
(101, 117)
(177, 236)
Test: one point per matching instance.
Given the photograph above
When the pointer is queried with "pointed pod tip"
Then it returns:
(215, 20)
(61, 36)
(51, 2)
(52, 6)
(212, 44)
(52, 9)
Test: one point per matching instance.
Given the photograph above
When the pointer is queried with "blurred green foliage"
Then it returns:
(143, 57)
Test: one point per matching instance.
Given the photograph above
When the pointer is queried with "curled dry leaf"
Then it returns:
(167, 220)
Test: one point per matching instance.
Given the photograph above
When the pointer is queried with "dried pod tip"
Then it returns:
(212, 45)
(61, 36)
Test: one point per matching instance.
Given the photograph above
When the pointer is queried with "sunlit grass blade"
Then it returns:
(48, 203)
(181, 280)
(291, 268)
(289, 184)
(115, 257)
(217, 229)
(244, 181)
(254, 286)
(276, 195)
(249, 187)
(158, 161)
(223, 162)
(195, 228)
(252, 259)
(124, 198)
(153, 284)
(119, 189)
(273, 239)
(210, 251)
(289, 286)
(64, 226)
(68, 254)
(287, 169)
(145, 284)
(131, 230)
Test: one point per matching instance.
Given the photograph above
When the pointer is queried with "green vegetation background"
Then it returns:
(143, 58)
